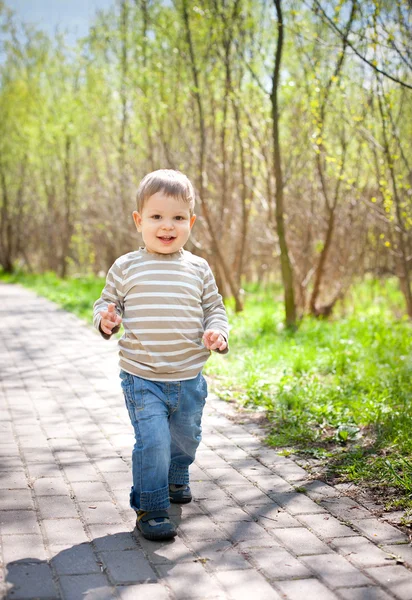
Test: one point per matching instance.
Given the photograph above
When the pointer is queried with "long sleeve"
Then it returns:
(112, 293)
(213, 308)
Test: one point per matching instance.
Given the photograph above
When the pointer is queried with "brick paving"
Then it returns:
(256, 528)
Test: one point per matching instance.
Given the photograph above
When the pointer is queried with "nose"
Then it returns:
(167, 225)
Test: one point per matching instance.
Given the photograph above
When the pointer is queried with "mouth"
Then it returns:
(166, 239)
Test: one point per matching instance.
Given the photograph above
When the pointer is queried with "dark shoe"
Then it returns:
(155, 525)
(180, 494)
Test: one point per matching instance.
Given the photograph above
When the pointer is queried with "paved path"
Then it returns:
(67, 530)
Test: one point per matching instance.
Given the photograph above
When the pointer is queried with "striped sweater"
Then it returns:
(166, 301)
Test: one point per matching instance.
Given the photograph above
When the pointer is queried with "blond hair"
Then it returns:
(171, 183)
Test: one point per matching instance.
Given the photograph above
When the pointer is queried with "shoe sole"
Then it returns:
(157, 537)
(180, 501)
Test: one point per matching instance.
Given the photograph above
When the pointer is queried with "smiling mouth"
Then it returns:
(166, 238)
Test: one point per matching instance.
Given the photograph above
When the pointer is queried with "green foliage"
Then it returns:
(334, 389)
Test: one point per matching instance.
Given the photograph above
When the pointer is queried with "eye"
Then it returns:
(156, 217)
(180, 218)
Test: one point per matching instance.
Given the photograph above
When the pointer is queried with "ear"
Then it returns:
(137, 218)
(192, 221)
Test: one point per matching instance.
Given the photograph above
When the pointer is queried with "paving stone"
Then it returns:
(223, 514)
(87, 587)
(300, 541)
(226, 477)
(249, 467)
(23, 548)
(146, 591)
(112, 464)
(277, 563)
(379, 532)
(272, 484)
(128, 566)
(18, 499)
(364, 593)
(48, 469)
(335, 570)
(231, 453)
(209, 459)
(111, 536)
(219, 556)
(57, 507)
(90, 490)
(240, 531)
(51, 486)
(77, 560)
(361, 552)
(100, 512)
(12, 480)
(118, 481)
(291, 472)
(83, 472)
(325, 526)
(396, 579)
(247, 494)
(309, 589)
(271, 516)
(11, 463)
(345, 509)
(31, 581)
(190, 580)
(64, 532)
(201, 527)
(246, 584)
(297, 504)
(198, 474)
(18, 521)
(167, 552)
(318, 490)
(403, 551)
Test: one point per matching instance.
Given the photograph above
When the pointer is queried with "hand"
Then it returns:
(213, 340)
(110, 319)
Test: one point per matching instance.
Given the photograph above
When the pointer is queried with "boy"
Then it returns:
(173, 316)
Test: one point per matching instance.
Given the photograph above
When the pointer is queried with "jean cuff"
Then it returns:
(156, 500)
(178, 474)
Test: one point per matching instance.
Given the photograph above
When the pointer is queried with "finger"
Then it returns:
(105, 329)
(206, 344)
(108, 323)
(111, 307)
(215, 345)
(118, 320)
(223, 345)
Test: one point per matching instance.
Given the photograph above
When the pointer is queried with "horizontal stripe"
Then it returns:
(166, 364)
(170, 307)
(146, 353)
(186, 296)
(161, 272)
(154, 319)
(170, 330)
(173, 283)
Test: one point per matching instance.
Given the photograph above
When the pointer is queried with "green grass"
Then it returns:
(337, 390)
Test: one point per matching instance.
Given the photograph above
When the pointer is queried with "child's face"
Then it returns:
(165, 223)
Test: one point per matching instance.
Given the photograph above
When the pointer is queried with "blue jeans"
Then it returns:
(166, 417)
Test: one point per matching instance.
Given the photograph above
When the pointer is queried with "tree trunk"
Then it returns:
(286, 267)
